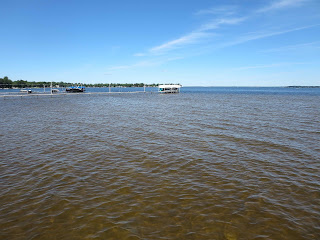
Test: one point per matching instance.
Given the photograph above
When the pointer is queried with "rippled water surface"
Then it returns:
(202, 164)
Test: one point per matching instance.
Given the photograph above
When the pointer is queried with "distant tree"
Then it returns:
(20, 84)
(8, 82)
(5, 82)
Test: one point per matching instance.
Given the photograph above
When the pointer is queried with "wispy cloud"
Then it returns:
(188, 39)
(221, 10)
(139, 54)
(216, 23)
(208, 37)
(270, 65)
(197, 36)
(204, 31)
(260, 35)
(282, 4)
(310, 45)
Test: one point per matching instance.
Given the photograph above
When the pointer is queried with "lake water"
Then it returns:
(208, 163)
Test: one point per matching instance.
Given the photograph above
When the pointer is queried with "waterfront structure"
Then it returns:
(169, 88)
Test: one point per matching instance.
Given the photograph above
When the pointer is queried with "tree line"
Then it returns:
(5, 82)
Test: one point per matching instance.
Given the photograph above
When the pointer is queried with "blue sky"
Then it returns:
(191, 42)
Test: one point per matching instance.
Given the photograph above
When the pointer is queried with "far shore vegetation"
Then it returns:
(5, 82)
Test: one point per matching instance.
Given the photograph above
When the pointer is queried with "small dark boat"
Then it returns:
(73, 89)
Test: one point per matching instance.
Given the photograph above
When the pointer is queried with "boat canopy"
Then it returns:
(170, 86)
(75, 87)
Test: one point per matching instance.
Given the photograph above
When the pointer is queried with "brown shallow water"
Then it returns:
(149, 166)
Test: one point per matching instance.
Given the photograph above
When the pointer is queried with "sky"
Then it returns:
(191, 42)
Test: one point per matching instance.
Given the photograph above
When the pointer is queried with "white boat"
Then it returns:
(169, 88)
(54, 90)
(26, 91)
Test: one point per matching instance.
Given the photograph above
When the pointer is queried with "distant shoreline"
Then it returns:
(303, 86)
(257, 86)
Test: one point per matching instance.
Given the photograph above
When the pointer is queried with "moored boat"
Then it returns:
(54, 90)
(26, 91)
(169, 88)
(75, 89)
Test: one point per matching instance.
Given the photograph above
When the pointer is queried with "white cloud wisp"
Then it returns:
(194, 37)
(282, 4)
